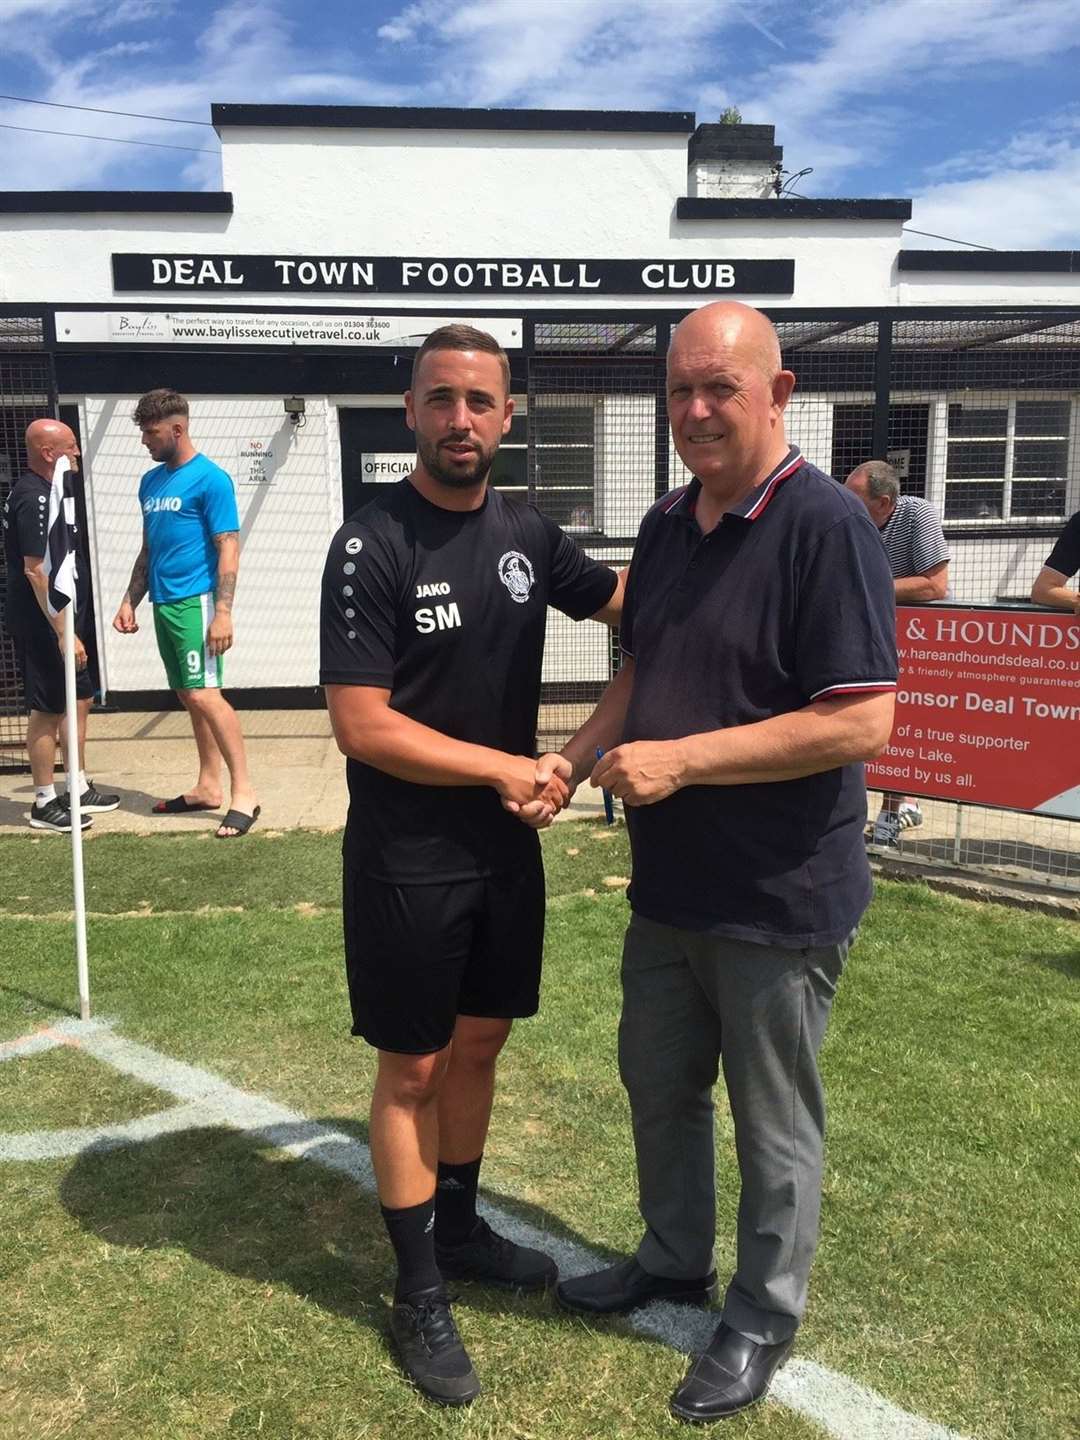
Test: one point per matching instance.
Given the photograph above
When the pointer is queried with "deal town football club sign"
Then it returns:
(368, 275)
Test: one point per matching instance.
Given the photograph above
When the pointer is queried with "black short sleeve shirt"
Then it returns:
(26, 528)
(446, 610)
(789, 600)
(1065, 556)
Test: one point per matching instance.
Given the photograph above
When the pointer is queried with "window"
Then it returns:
(510, 469)
(1007, 459)
(564, 460)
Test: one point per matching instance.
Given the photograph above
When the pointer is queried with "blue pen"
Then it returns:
(609, 804)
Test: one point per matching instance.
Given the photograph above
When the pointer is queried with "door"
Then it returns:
(853, 439)
(377, 448)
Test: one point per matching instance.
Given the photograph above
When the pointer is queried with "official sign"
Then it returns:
(386, 466)
(392, 275)
(988, 709)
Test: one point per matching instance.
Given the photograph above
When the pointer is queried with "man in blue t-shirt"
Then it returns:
(189, 560)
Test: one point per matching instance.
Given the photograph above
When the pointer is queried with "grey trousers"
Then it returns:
(691, 1002)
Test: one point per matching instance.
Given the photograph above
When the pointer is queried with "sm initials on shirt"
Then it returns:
(438, 617)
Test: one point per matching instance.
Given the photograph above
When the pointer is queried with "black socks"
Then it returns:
(412, 1234)
(455, 1201)
(449, 1217)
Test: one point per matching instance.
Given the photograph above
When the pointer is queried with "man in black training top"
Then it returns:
(434, 602)
(1064, 560)
(39, 636)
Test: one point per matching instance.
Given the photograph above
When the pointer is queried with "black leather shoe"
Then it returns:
(732, 1374)
(625, 1286)
(492, 1259)
(430, 1347)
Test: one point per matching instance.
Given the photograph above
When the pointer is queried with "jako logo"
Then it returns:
(164, 502)
(443, 617)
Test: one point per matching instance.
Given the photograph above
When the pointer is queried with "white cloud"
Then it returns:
(410, 21)
(1022, 196)
(844, 104)
(844, 81)
(247, 50)
(594, 54)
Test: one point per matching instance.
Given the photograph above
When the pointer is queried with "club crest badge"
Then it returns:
(516, 573)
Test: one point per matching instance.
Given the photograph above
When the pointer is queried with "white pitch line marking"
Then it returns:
(35, 1044)
(839, 1405)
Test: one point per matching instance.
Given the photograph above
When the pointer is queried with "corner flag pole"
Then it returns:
(60, 567)
(75, 800)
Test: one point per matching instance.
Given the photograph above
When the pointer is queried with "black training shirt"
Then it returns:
(1065, 556)
(788, 600)
(26, 528)
(447, 610)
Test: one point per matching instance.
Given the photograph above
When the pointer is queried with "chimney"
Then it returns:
(734, 162)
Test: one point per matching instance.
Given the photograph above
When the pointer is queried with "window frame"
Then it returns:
(1007, 401)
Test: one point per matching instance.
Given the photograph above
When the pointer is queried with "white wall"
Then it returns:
(285, 528)
(625, 464)
(997, 567)
(524, 193)
(381, 192)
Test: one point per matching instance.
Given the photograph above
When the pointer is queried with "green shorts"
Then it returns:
(181, 626)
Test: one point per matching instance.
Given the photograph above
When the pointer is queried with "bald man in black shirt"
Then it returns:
(39, 636)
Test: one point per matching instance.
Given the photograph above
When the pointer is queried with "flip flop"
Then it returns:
(238, 821)
(179, 805)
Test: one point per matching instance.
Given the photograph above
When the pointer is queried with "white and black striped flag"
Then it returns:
(59, 563)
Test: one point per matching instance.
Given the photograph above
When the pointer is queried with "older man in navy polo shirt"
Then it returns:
(760, 670)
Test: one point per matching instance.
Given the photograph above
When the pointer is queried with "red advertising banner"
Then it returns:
(988, 709)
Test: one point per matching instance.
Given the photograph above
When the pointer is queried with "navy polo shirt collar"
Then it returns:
(751, 506)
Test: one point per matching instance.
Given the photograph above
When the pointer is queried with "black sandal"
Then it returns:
(238, 821)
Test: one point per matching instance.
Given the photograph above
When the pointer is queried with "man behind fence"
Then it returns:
(434, 603)
(1064, 560)
(759, 636)
(39, 636)
(914, 542)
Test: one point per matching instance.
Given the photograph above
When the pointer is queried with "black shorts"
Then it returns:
(41, 669)
(417, 956)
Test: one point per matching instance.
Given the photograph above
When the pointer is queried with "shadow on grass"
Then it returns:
(50, 1002)
(235, 1202)
(1066, 962)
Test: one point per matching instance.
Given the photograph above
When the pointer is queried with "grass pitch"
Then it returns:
(204, 1285)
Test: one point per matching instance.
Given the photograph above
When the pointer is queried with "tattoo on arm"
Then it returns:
(139, 583)
(225, 589)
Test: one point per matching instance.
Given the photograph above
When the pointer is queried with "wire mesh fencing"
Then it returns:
(977, 412)
(27, 391)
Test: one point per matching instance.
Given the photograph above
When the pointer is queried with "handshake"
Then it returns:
(641, 772)
(536, 790)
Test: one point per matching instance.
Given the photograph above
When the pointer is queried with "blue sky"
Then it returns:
(971, 107)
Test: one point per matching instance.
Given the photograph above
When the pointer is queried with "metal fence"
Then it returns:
(27, 391)
(977, 409)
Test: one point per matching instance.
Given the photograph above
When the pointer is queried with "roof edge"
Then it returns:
(117, 202)
(984, 262)
(410, 117)
(797, 207)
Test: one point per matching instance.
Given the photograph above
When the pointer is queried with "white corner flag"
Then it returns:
(59, 565)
